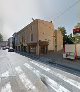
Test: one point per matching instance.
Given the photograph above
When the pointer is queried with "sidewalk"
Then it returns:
(55, 58)
(70, 64)
(58, 59)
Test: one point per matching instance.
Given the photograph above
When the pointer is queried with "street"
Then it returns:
(20, 73)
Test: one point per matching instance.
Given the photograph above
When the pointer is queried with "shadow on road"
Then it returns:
(50, 61)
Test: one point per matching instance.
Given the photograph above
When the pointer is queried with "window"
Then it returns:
(31, 37)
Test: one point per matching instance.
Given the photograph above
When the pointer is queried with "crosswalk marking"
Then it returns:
(6, 88)
(27, 83)
(66, 79)
(5, 74)
(54, 85)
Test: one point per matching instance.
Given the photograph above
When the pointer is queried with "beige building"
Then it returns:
(58, 40)
(38, 37)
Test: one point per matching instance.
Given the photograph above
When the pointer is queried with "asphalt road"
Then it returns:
(23, 74)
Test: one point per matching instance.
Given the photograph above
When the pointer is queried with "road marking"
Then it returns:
(32, 69)
(5, 74)
(6, 88)
(27, 83)
(54, 85)
(66, 79)
(57, 87)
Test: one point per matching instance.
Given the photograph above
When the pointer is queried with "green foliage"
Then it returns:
(70, 39)
(63, 30)
(77, 39)
(1, 37)
(67, 39)
(77, 26)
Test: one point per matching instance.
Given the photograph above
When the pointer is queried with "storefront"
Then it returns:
(31, 48)
(43, 47)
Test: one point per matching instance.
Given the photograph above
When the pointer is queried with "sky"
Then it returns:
(16, 14)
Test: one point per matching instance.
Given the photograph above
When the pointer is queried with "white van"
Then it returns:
(71, 51)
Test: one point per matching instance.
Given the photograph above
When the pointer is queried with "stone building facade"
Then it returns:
(58, 40)
(37, 37)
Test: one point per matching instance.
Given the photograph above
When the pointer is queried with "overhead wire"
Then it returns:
(66, 10)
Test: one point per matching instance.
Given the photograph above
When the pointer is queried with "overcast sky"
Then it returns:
(16, 14)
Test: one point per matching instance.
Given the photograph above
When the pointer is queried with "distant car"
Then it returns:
(7, 47)
(4, 48)
(10, 50)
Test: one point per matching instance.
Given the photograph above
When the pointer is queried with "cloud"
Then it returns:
(15, 14)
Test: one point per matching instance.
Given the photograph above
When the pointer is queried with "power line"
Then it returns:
(66, 10)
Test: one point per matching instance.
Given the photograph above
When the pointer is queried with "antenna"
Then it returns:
(32, 19)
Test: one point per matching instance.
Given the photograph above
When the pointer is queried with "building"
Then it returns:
(3, 43)
(76, 35)
(15, 40)
(38, 37)
(10, 42)
(58, 40)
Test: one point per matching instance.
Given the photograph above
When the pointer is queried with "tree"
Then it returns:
(63, 31)
(77, 39)
(70, 39)
(1, 37)
(77, 36)
(77, 26)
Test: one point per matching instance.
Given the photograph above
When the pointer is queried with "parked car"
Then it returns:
(7, 47)
(10, 49)
(4, 48)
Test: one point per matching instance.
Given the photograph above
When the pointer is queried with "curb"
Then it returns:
(75, 69)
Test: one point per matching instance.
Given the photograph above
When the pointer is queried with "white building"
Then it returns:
(10, 42)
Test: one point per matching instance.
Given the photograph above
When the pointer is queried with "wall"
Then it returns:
(10, 42)
(46, 32)
(41, 30)
(58, 41)
(32, 28)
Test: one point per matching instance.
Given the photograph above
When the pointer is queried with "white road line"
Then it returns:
(5, 74)
(31, 68)
(54, 85)
(27, 83)
(6, 88)
(66, 79)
